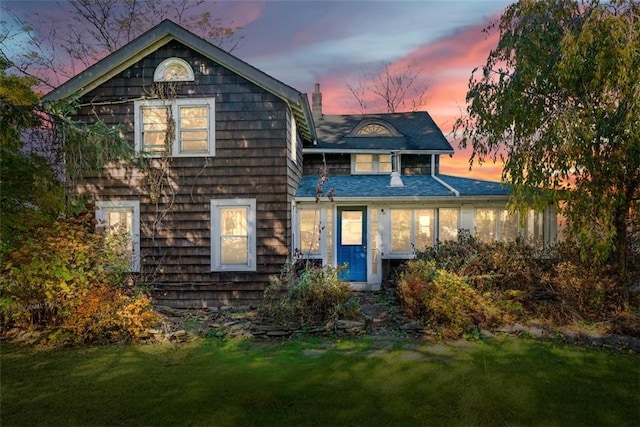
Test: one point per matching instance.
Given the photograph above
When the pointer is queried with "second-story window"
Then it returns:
(371, 163)
(180, 127)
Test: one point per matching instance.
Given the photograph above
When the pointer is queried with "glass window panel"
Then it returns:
(447, 224)
(155, 115)
(194, 111)
(175, 71)
(193, 122)
(154, 126)
(194, 135)
(154, 141)
(364, 163)
(424, 226)
(193, 129)
(534, 226)
(233, 221)
(400, 230)
(157, 127)
(384, 163)
(234, 250)
(193, 145)
(374, 129)
(351, 228)
(508, 226)
(119, 223)
(193, 116)
(310, 231)
(485, 224)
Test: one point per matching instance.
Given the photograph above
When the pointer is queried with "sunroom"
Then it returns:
(369, 235)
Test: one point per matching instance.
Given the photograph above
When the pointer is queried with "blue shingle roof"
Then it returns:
(377, 186)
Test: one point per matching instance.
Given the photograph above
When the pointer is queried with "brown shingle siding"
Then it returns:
(251, 161)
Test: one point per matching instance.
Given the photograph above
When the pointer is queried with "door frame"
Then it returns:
(364, 209)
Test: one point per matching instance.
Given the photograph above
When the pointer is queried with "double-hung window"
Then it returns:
(122, 222)
(233, 235)
(179, 127)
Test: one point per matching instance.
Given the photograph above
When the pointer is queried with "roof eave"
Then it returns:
(162, 34)
(372, 151)
(408, 199)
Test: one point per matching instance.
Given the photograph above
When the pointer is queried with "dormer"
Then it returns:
(374, 128)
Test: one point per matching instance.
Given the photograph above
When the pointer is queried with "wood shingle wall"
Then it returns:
(252, 142)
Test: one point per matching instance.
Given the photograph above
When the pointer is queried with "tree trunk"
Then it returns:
(621, 252)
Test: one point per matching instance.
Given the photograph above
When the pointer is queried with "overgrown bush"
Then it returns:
(578, 289)
(70, 281)
(516, 281)
(515, 265)
(308, 295)
(443, 299)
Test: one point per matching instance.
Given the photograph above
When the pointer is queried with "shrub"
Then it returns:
(107, 314)
(308, 295)
(523, 281)
(443, 299)
(578, 289)
(69, 280)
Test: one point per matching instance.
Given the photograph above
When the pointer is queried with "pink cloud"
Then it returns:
(242, 13)
(446, 67)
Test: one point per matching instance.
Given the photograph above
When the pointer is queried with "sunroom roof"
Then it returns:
(415, 187)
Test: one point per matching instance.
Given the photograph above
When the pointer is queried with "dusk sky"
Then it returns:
(334, 42)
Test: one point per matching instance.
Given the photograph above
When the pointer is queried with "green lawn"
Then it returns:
(364, 382)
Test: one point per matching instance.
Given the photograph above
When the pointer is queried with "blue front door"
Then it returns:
(352, 242)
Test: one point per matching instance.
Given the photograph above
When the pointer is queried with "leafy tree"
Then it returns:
(558, 101)
(95, 29)
(396, 88)
(33, 142)
(29, 191)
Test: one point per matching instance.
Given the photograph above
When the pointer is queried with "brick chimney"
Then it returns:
(316, 102)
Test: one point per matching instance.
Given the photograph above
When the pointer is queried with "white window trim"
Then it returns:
(412, 235)
(119, 205)
(438, 236)
(216, 262)
(294, 139)
(174, 105)
(375, 162)
(322, 218)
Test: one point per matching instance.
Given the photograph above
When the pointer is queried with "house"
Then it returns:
(237, 173)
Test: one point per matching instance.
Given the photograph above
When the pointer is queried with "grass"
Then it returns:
(317, 382)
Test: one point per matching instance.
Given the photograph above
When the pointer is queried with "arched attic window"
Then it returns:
(173, 70)
(374, 128)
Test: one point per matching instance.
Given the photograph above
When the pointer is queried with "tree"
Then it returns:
(558, 101)
(33, 142)
(29, 192)
(395, 87)
(95, 29)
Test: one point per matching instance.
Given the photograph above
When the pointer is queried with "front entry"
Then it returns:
(352, 242)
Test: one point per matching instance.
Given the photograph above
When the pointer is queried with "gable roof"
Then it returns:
(159, 36)
(414, 131)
